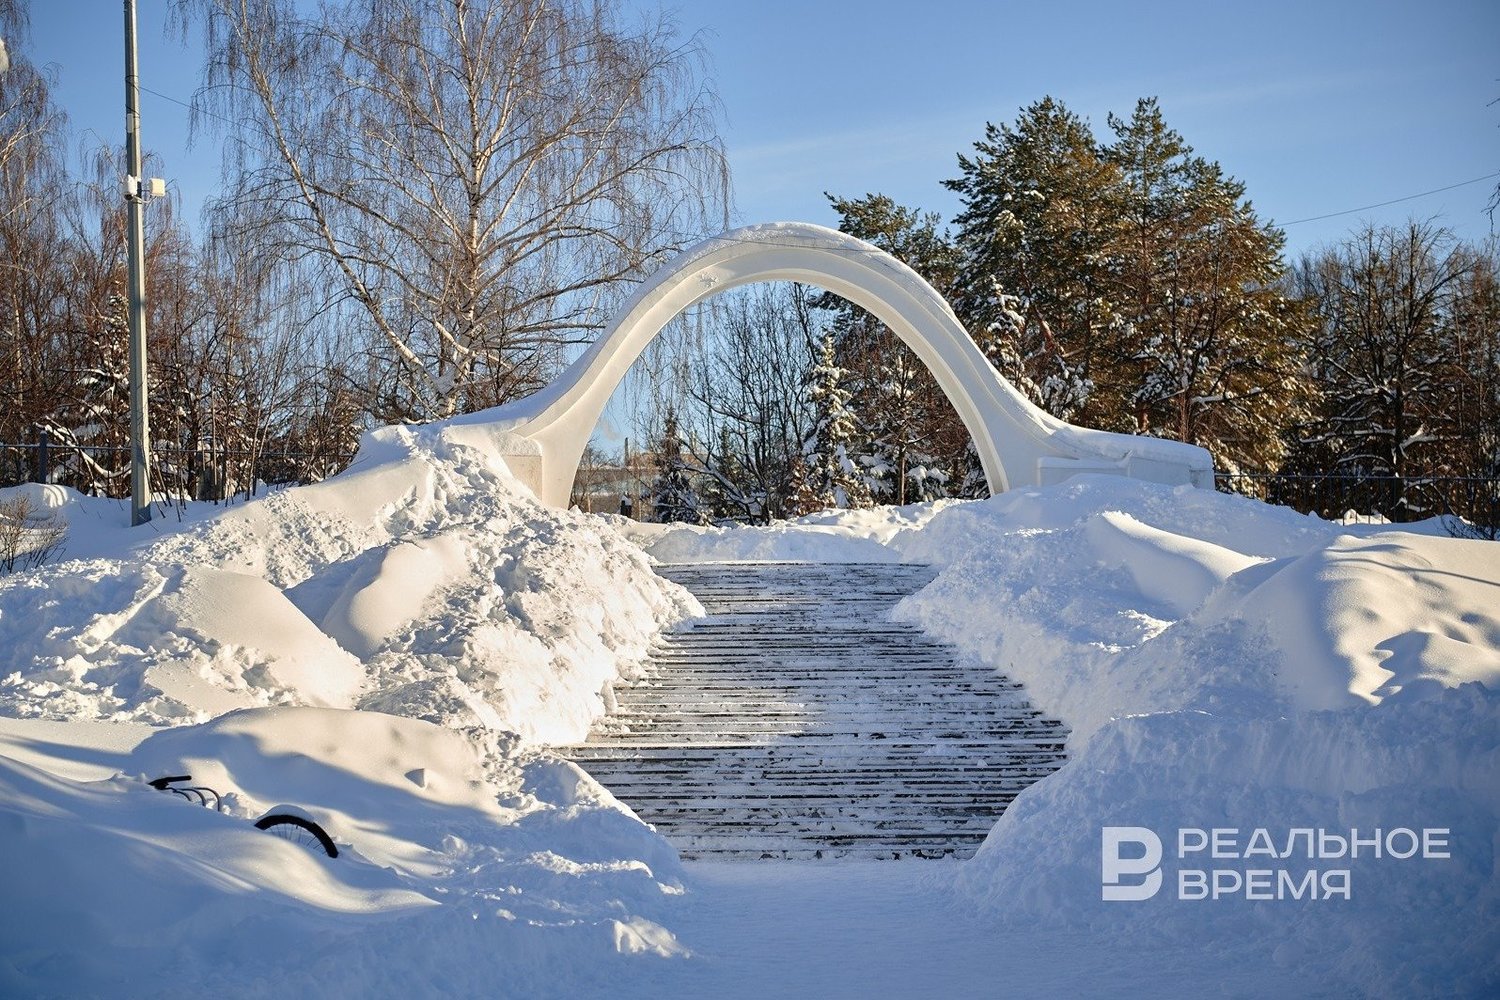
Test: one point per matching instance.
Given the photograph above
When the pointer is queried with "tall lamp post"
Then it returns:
(137, 190)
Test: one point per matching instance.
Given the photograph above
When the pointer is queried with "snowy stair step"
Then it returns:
(826, 802)
(797, 720)
(848, 743)
(910, 779)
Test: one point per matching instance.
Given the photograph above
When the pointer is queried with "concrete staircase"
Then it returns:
(797, 721)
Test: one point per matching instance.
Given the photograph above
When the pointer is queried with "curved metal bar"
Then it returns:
(193, 793)
(160, 784)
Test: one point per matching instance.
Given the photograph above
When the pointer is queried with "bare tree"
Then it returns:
(747, 414)
(32, 275)
(29, 535)
(1401, 337)
(473, 178)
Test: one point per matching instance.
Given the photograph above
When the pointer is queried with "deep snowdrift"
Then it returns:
(1411, 927)
(1109, 598)
(476, 868)
(424, 581)
(1222, 664)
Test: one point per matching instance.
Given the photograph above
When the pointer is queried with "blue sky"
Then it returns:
(1318, 107)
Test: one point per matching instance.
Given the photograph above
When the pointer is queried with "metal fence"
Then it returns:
(1369, 498)
(206, 472)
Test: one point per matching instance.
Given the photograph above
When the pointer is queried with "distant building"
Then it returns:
(615, 488)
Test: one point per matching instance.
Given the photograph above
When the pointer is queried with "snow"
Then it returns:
(484, 861)
(384, 651)
(369, 590)
(1416, 927)
(1110, 598)
(1222, 663)
(827, 536)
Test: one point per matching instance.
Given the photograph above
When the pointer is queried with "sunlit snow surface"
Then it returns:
(1220, 663)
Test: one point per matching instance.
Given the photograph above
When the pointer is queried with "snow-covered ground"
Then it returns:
(387, 650)
(424, 581)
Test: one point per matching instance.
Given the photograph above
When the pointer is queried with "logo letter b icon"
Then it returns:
(1115, 868)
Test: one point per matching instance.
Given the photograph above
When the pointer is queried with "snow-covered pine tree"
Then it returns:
(673, 498)
(1041, 214)
(973, 485)
(899, 463)
(828, 476)
(999, 337)
(1206, 350)
(914, 441)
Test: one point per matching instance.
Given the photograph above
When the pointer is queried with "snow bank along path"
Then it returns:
(424, 581)
(461, 869)
(478, 881)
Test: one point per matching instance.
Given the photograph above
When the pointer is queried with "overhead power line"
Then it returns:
(1393, 201)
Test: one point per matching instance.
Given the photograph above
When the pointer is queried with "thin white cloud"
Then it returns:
(1183, 94)
(895, 139)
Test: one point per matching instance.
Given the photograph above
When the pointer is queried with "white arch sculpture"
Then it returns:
(1018, 443)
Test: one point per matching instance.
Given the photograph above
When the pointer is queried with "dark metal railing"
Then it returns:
(1377, 498)
(204, 472)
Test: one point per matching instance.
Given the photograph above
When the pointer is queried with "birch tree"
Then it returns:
(32, 280)
(473, 180)
(746, 397)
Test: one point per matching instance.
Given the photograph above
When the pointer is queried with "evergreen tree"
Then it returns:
(999, 338)
(914, 442)
(673, 498)
(899, 463)
(973, 485)
(827, 475)
(1041, 212)
(1129, 286)
(1206, 351)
